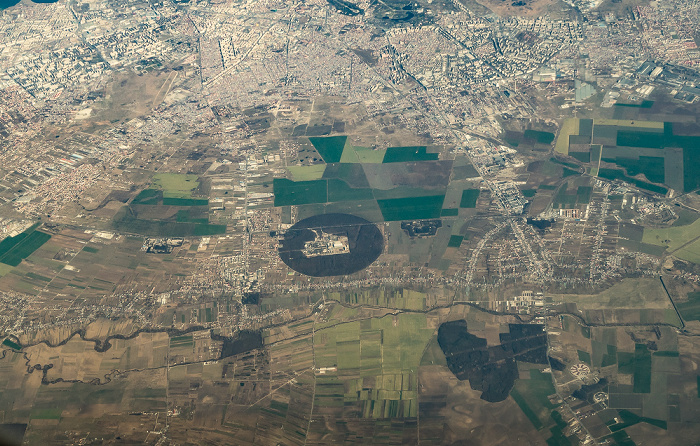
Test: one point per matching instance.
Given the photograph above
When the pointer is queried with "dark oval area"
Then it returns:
(359, 243)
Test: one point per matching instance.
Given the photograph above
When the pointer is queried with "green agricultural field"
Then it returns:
(570, 127)
(363, 155)
(690, 252)
(175, 185)
(330, 148)
(585, 128)
(289, 192)
(167, 201)
(568, 199)
(642, 369)
(383, 297)
(690, 310)
(149, 197)
(651, 166)
(616, 174)
(658, 125)
(450, 212)
(539, 136)
(12, 345)
(411, 208)
(351, 173)
(584, 357)
(584, 157)
(531, 396)
(469, 198)
(15, 249)
(307, 173)
(339, 190)
(674, 237)
(455, 241)
(405, 154)
(126, 221)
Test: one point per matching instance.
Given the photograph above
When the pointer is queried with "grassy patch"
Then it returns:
(307, 173)
(570, 127)
(673, 237)
(175, 185)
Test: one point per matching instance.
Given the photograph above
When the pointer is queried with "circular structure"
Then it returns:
(600, 397)
(580, 370)
(331, 245)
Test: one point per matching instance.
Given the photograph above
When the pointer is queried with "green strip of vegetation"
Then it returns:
(667, 354)
(185, 201)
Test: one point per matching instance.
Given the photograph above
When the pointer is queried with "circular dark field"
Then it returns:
(364, 240)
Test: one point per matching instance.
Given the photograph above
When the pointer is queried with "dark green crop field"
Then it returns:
(405, 154)
(539, 137)
(469, 197)
(651, 166)
(339, 190)
(288, 192)
(330, 148)
(185, 202)
(15, 249)
(455, 241)
(411, 208)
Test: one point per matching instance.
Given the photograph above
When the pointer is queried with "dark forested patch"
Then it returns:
(491, 369)
(244, 341)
